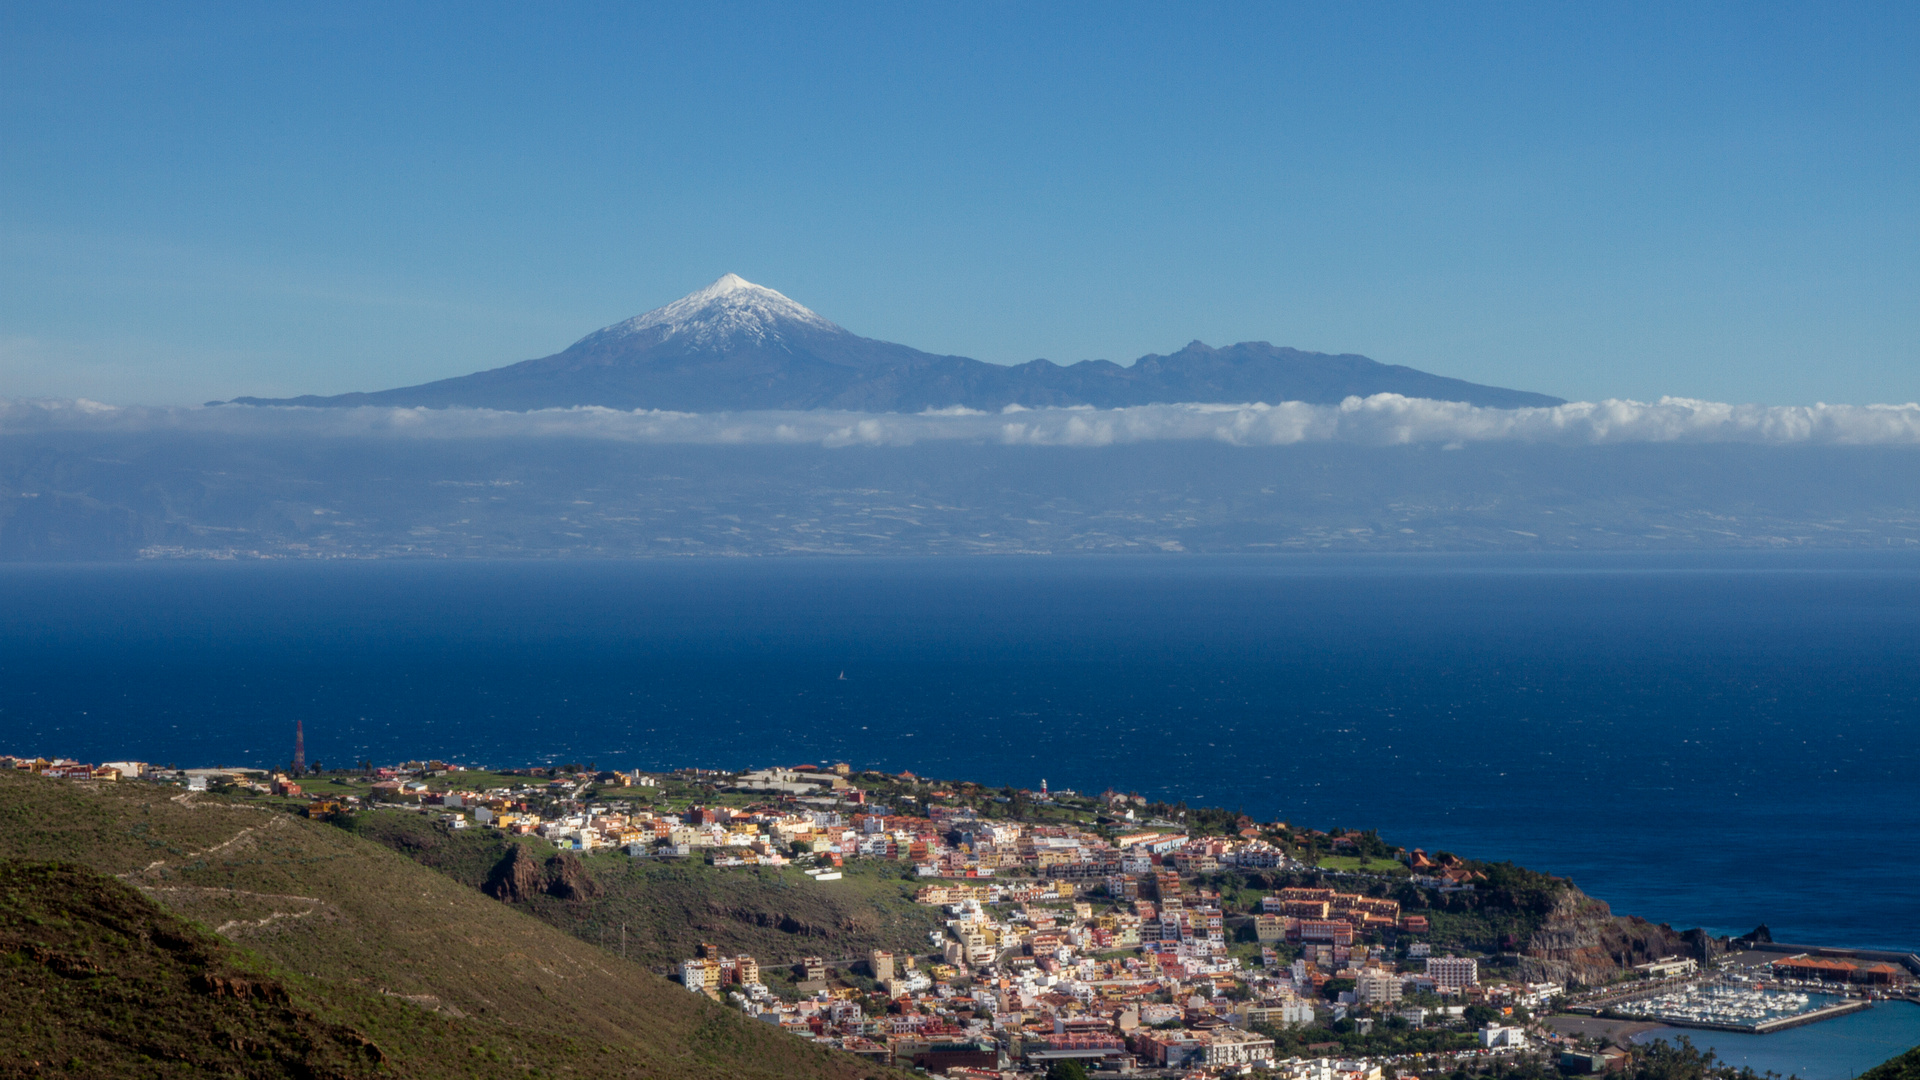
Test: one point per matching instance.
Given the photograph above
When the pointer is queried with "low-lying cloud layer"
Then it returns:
(1380, 420)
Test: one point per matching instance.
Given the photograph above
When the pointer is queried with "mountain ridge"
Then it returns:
(736, 346)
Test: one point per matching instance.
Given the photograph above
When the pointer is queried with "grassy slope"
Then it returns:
(669, 906)
(357, 932)
(89, 961)
(1358, 862)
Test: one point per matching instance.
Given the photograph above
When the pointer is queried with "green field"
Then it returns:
(1363, 864)
(337, 784)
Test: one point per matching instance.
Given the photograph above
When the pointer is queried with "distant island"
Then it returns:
(736, 422)
(423, 919)
(736, 346)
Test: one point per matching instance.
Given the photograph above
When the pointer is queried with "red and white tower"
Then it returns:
(299, 748)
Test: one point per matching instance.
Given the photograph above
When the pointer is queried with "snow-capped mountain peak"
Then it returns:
(731, 309)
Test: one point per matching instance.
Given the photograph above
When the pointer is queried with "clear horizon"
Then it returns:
(1716, 203)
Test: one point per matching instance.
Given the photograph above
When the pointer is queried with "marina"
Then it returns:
(1833, 1050)
(1737, 1007)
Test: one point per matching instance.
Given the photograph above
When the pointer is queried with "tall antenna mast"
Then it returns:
(299, 748)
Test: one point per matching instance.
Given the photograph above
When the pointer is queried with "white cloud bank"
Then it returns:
(1380, 420)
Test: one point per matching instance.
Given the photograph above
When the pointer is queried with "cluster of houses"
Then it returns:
(68, 769)
(1060, 940)
(1039, 970)
(1063, 942)
(257, 781)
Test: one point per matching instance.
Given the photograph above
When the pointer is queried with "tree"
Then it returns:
(1481, 1015)
(1066, 1069)
(1678, 1060)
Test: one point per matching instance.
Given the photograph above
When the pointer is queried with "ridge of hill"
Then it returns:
(738, 346)
(443, 979)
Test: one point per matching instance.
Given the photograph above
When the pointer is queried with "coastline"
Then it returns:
(944, 844)
(1836, 1049)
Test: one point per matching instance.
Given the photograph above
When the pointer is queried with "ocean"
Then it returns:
(1835, 1049)
(1715, 741)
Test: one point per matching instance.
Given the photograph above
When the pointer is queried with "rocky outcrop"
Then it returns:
(236, 986)
(1583, 943)
(567, 878)
(516, 877)
(1702, 945)
(519, 876)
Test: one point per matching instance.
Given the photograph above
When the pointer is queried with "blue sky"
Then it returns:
(1591, 200)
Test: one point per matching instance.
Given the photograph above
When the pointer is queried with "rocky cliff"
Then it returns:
(1583, 943)
(518, 877)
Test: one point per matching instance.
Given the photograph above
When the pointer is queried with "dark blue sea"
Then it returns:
(1716, 741)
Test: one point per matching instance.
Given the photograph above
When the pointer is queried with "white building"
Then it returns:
(1452, 974)
(1376, 987)
(1493, 1035)
(1667, 967)
(1539, 995)
(1231, 1046)
(1287, 1012)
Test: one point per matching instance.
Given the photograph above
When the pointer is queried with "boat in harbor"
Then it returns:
(1731, 1005)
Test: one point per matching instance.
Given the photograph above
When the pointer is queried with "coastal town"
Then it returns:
(1069, 931)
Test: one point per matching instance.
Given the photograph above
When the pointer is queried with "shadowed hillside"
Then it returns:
(90, 963)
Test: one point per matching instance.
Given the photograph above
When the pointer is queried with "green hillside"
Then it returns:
(1904, 1067)
(90, 963)
(363, 943)
(669, 906)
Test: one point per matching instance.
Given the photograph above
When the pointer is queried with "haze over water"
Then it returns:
(1714, 741)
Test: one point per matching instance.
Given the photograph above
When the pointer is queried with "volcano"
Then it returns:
(736, 346)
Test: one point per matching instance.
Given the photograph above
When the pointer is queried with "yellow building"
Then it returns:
(746, 969)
